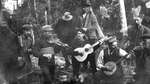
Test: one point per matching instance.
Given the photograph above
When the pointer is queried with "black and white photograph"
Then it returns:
(74, 41)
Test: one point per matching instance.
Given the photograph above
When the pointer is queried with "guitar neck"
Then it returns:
(95, 44)
(101, 41)
(98, 42)
(122, 58)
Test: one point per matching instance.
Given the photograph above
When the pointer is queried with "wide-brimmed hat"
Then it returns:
(67, 16)
(47, 28)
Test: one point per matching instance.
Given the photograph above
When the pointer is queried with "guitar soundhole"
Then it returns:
(86, 49)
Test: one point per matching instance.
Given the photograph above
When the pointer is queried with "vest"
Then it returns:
(46, 48)
(114, 56)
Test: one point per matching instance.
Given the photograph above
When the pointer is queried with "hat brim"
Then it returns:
(27, 27)
(47, 28)
(68, 18)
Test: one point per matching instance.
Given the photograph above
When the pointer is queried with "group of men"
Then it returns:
(101, 67)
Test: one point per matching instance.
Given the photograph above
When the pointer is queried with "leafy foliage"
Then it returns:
(27, 13)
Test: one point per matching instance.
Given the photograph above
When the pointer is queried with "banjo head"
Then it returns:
(112, 67)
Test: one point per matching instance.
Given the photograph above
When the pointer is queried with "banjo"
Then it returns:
(112, 66)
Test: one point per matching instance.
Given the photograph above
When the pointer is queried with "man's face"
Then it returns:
(80, 35)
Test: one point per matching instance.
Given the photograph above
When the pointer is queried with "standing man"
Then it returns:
(93, 31)
(142, 54)
(65, 29)
(90, 22)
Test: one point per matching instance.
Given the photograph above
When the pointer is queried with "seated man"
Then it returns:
(110, 56)
(45, 49)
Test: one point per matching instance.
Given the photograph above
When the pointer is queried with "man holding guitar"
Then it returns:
(109, 64)
(79, 40)
(93, 32)
(81, 52)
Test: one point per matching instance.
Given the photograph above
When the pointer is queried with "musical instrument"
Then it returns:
(87, 49)
(112, 66)
(24, 75)
(59, 43)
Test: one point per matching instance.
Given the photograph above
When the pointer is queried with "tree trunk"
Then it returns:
(123, 18)
(49, 11)
(35, 8)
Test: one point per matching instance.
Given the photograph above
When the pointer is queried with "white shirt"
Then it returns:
(84, 15)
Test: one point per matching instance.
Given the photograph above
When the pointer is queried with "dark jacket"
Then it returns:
(39, 44)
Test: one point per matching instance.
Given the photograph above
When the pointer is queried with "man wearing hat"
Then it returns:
(27, 33)
(142, 54)
(111, 53)
(45, 49)
(27, 41)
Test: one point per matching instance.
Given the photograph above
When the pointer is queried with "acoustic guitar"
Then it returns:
(88, 49)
